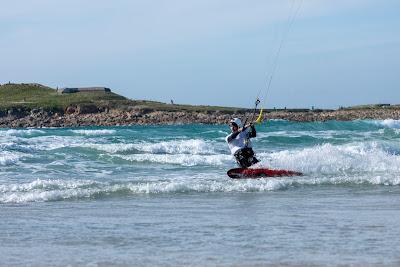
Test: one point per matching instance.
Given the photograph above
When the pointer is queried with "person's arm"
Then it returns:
(232, 136)
(253, 132)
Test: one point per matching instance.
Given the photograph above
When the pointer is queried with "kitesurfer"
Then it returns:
(239, 143)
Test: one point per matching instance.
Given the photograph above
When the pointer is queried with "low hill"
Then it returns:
(35, 105)
(25, 97)
(40, 96)
(34, 96)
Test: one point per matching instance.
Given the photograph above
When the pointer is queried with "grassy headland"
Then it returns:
(35, 105)
(36, 96)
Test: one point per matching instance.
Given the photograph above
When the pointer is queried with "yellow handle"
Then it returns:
(260, 117)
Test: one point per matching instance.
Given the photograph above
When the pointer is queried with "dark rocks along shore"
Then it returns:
(92, 116)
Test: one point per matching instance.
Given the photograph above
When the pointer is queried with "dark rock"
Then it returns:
(87, 109)
(17, 112)
(70, 110)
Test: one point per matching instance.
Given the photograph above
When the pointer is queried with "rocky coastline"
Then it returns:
(18, 118)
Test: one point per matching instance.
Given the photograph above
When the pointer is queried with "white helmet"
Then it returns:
(236, 121)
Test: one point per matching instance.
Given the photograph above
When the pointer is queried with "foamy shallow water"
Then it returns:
(159, 195)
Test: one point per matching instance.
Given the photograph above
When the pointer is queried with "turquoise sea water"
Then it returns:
(159, 196)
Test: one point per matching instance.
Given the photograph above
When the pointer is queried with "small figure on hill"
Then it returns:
(239, 143)
(172, 102)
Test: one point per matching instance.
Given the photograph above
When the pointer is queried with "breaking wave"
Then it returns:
(57, 190)
(94, 132)
(334, 159)
(192, 146)
(8, 158)
(22, 132)
(180, 159)
(389, 123)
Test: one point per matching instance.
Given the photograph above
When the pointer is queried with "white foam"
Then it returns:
(192, 146)
(180, 159)
(326, 134)
(48, 190)
(47, 184)
(110, 148)
(55, 142)
(8, 158)
(94, 132)
(204, 186)
(389, 123)
(335, 159)
(21, 132)
(42, 196)
(15, 147)
(55, 190)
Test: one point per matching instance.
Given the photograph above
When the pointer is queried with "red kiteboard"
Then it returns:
(242, 173)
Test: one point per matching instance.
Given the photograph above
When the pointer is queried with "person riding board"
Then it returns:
(239, 143)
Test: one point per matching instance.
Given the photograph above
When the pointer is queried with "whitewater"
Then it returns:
(160, 196)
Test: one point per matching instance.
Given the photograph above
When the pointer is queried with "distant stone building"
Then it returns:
(69, 90)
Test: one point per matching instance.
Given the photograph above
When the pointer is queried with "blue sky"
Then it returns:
(210, 52)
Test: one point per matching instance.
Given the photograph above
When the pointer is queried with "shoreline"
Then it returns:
(39, 118)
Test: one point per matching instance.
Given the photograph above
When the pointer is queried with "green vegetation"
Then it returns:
(30, 96)
(371, 106)
(37, 96)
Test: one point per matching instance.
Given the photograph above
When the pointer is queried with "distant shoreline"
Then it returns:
(40, 118)
(36, 105)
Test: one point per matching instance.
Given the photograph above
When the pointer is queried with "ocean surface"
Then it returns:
(159, 196)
